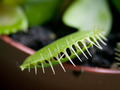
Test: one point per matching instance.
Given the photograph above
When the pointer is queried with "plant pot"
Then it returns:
(12, 54)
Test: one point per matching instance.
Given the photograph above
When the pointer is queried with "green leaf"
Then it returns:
(85, 14)
(40, 11)
(12, 19)
(13, 2)
(117, 4)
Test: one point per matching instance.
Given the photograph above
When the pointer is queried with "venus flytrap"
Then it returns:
(63, 50)
(83, 15)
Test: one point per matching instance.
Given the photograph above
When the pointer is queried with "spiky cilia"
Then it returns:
(117, 53)
(64, 49)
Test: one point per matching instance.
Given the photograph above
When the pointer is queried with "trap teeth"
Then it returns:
(76, 54)
(50, 62)
(35, 69)
(103, 37)
(22, 69)
(117, 58)
(81, 51)
(117, 53)
(97, 42)
(29, 69)
(70, 59)
(87, 49)
(42, 63)
(75, 45)
(61, 65)
(60, 58)
(101, 40)
(51, 67)
(74, 50)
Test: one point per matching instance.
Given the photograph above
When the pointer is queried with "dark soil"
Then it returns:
(35, 38)
(38, 37)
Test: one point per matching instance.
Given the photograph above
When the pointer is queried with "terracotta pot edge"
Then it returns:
(17, 45)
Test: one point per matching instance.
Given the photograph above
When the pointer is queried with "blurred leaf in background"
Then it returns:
(12, 19)
(85, 14)
(117, 4)
(13, 2)
(40, 11)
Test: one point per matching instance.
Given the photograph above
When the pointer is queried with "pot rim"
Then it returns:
(30, 51)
